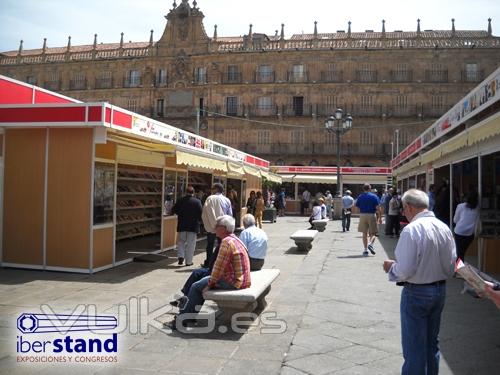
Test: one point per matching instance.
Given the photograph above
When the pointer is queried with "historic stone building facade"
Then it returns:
(268, 95)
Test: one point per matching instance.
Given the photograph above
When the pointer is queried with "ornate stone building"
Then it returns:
(268, 95)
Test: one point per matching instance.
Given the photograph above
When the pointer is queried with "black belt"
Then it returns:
(411, 285)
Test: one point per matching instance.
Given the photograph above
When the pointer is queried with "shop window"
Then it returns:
(104, 190)
(170, 193)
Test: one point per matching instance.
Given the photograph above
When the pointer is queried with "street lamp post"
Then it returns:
(338, 124)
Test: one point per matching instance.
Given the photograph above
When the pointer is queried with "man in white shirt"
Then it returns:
(425, 258)
(347, 204)
(216, 205)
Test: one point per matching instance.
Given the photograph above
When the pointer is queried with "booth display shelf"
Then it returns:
(138, 206)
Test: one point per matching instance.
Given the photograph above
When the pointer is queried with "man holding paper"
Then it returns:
(425, 258)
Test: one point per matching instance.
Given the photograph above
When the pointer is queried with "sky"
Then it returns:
(33, 20)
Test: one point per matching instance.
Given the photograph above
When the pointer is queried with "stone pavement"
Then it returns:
(336, 313)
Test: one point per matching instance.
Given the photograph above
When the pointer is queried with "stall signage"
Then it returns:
(330, 170)
(477, 100)
(166, 133)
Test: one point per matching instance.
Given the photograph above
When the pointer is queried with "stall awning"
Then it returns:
(264, 174)
(432, 155)
(251, 170)
(200, 161)
(315, 179)
(140, 144)
(455, 144)
(235, 169)
(482, 132)
(273, 177)
(287, 177)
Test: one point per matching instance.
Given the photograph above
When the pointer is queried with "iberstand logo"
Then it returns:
(66, 338)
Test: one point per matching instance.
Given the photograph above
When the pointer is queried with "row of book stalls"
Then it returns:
(88, 186)
(318, 180)
(460, 153)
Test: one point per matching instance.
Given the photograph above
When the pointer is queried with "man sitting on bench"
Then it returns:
(316, 214)
(231, 271)
(255, 240)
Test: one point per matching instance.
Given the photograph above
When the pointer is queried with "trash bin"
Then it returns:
(269, 215)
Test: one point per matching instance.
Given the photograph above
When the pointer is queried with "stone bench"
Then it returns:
(320, 224)
(304, 238)
(230, 302)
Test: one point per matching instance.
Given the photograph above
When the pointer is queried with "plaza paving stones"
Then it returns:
(335, 311)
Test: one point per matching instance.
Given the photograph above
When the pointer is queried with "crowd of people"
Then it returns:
(425, 256)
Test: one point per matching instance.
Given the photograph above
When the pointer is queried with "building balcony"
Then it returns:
(472, 76)
(104, 83)
(78, 84)
(335, 76)
(297, 77)
(54, 85)
(366, 76)
(401, 76)
(232, 78)
(132, 82)
(264, 77)
(436, 76)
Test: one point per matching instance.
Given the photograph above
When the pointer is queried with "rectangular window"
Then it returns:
(297, 137)
(77, 81)
(366, 137)
(471, 73)
(232, 106)
(263, 137)
(201, 75)
(436, 101)
(133, 104)
(104, 80)
(366, 101)
(265, 73)
(298, 73)
(264, 106)
(133, 78)
(161, 77)
(402, 101)
(298, 105)
(231, 136)
(104, 191)
(160, 107)
(232, 73)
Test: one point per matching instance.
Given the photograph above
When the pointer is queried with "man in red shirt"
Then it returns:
(231, 270)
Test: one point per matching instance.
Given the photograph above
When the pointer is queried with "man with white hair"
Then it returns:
(425, 258)
(231, 271)
(255, 239)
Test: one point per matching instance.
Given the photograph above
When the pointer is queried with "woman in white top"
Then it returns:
(465, 219)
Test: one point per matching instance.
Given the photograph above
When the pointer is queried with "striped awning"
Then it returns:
(251, 170)
(235, 169)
